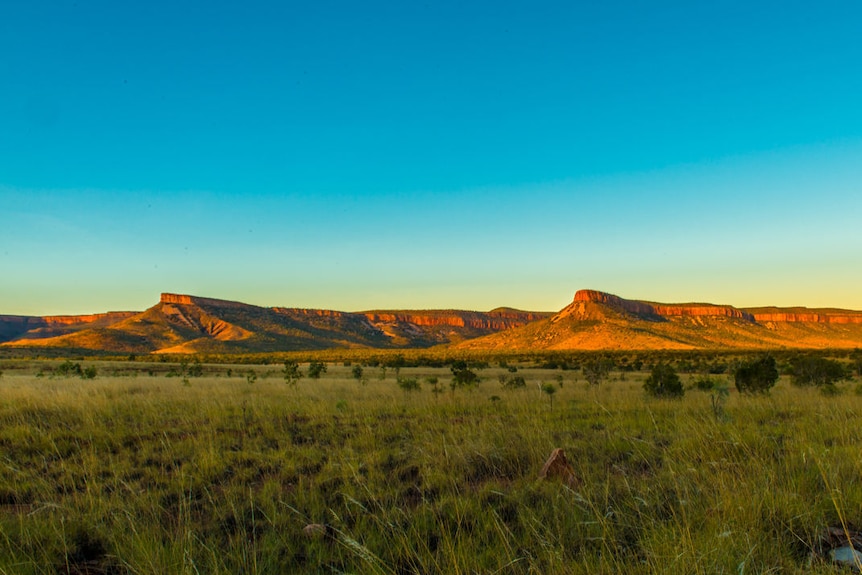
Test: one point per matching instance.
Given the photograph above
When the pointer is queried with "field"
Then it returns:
(147, 469)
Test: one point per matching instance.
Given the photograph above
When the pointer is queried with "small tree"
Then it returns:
(755, 375)
(856, 361)
(408, 384)
(663, 382)
(515, 382)
(463, 376)
(596, 370)
(316, 369)
(89, 372)
(549, 389)
(819, 371)
(357, 372)
(291, 372)
(196, 369)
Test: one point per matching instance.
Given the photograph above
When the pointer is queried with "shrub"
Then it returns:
(596, 370)
(463, 376)
(663, 382)
(549, 389)
(806, 371)
(68, 369)
(88, 373)
(291, 373)
(316, 369)
(515, 382)
(704, 383)
(755, 375)
(408, 383)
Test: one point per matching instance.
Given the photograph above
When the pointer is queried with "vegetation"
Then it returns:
(663, 381)
(135, 473)
(291, 372)
(462, 375)
(316, 369)
(818, 371)
(756, 375)
(596, 370)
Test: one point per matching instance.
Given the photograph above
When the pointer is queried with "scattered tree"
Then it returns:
(549, 389)
(514, 382)
(196, 369)
(856, 361)
(291, 372)
(663, 382)
(818, 371)
(408, 384)
(596, 370)
(756, 375)
(316, 369)
(357, 372)
(463, 376)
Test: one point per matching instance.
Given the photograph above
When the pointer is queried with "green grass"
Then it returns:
(146, 474)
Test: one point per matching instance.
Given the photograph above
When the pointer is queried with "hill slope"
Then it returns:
(601, 321)
(189, 324)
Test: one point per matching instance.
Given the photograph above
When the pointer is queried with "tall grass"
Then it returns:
(148, 475)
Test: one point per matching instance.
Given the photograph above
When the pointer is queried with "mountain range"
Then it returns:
(594, 320)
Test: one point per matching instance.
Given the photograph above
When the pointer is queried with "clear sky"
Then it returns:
(360, 155)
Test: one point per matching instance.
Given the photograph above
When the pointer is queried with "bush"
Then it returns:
(819, 371)
(291, 372)
(596, 370)
(514, 382)
(408, 383)
(316, 369)
(463, 376)
(663, 382)
(704, 383)
(756, 375)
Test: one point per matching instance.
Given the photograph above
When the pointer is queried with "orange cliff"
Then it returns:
(758, 315)
(496, 320)
(182, 299)
(805, 315)
(662, 309)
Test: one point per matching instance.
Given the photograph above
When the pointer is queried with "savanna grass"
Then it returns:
(220, 474)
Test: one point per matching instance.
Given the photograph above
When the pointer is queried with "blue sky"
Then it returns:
(404, 155)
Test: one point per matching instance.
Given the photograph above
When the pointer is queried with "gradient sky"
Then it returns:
(470, 155)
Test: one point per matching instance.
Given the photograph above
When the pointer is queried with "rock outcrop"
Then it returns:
(642, 308)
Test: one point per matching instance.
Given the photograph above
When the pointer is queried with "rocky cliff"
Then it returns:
(642, 308)
(805, 315)
(36, 327)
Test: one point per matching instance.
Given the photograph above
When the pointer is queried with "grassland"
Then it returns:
(142, 470)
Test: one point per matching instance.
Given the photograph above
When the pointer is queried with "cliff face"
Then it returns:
(804, 315)
(182, 299)
(13, 327)
(758, 315)
(663, 310)
(473, 320)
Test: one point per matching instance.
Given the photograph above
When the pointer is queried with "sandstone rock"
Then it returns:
(319, 531)
(558, 467)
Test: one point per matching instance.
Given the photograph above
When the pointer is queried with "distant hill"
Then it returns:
(600, 321)
(191, 324)
(593, 321)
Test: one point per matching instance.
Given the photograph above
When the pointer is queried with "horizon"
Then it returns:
(361, 157)
(421, 309)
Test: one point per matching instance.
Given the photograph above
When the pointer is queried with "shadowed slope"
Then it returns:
(189, 324)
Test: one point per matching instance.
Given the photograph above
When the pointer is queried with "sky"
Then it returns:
(469, 155)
